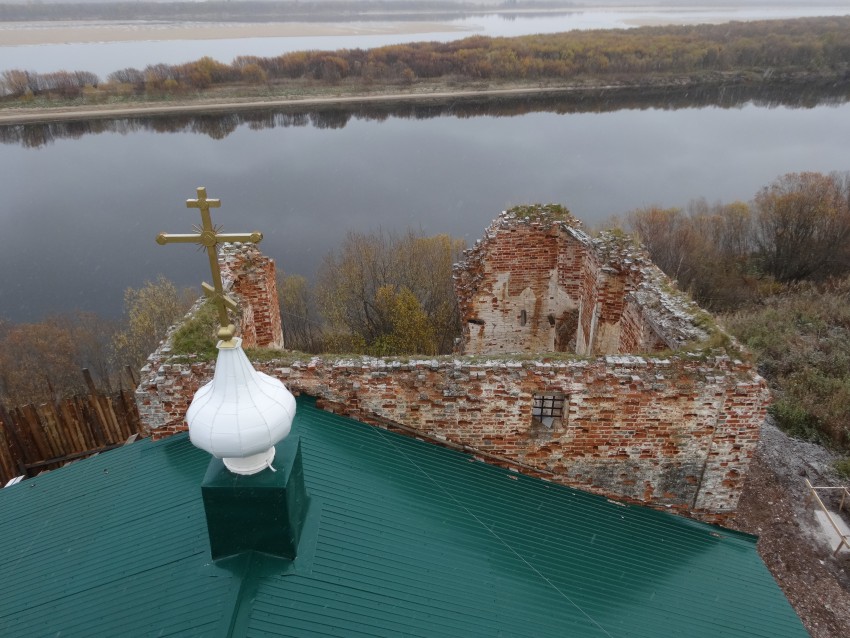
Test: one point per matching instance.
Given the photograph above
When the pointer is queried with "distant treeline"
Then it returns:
(771, 52)
(601, 100)
(252, 11)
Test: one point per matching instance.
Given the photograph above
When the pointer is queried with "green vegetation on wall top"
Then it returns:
(542, 212)
(197, 335)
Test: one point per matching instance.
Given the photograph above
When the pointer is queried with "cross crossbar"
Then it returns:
(209, 237)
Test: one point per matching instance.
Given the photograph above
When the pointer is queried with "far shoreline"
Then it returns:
(42, 115)
(663, 92)
(426, 74)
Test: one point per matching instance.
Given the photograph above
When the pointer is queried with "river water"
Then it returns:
(83, 203)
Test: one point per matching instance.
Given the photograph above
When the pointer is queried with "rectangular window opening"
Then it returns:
(548, 409)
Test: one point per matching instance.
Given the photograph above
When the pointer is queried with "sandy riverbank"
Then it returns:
(63, 114)
(20, 34)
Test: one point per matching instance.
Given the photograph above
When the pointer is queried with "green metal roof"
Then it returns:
(405, 539)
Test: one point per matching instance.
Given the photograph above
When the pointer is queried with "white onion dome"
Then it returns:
(241, 414)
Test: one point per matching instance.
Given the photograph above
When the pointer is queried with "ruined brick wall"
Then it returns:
(621, 268)
(609, 296)
(537, 283)
(635, 331)
(632, 331)
(676, 433)
(250, 277)
(515, 292)
(588, 312)
(673, 432)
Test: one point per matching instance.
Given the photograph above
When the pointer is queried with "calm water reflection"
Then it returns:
(79, 216)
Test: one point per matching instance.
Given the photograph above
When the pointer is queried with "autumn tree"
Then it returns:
(411, 331)
(803, 226)
(129, 77)
(769, 48)
(797, 228)
(38, 362)
(148, 313)
(425, 265)
(706, 249)
(17, 83)
(720, 273)
(667, 236)
(159, 77)
(299, 316)
(94, 337)
(371, 277)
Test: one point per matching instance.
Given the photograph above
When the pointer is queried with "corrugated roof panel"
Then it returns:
(115, 545)
(462, 535)
(411, 540)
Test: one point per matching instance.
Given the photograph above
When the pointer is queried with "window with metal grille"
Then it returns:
(548, 409)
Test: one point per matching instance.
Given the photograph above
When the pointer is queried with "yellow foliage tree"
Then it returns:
(351, 286)
(149, 312)
(412, 331)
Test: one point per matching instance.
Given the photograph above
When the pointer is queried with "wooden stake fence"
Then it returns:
(38, 438)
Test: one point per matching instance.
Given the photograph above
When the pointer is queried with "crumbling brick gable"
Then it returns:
(537, 282)
(250, 276)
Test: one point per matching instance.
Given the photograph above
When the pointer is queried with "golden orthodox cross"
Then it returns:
(209, 237)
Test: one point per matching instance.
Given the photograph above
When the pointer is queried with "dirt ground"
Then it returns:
(791, 542)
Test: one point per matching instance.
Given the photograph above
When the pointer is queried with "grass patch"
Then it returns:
(797, 421)
(801, 339)
(842, 467)
(198, 335)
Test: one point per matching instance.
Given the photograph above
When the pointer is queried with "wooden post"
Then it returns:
(73, 425)
(55, 437)
(132, 375)
(28, 449)
(29, 417)
(7, 459)
(34, 438)
(75, 414)
(15, 446)
(89, 381)
(97, 410)
(109, 409)
(131, 411)
(842, 538)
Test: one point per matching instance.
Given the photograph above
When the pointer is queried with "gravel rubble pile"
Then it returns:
(791, 542)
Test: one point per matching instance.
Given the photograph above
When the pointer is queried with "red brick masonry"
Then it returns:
(249, 276)
(537, 283)
(668, 430)
(676, 432)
